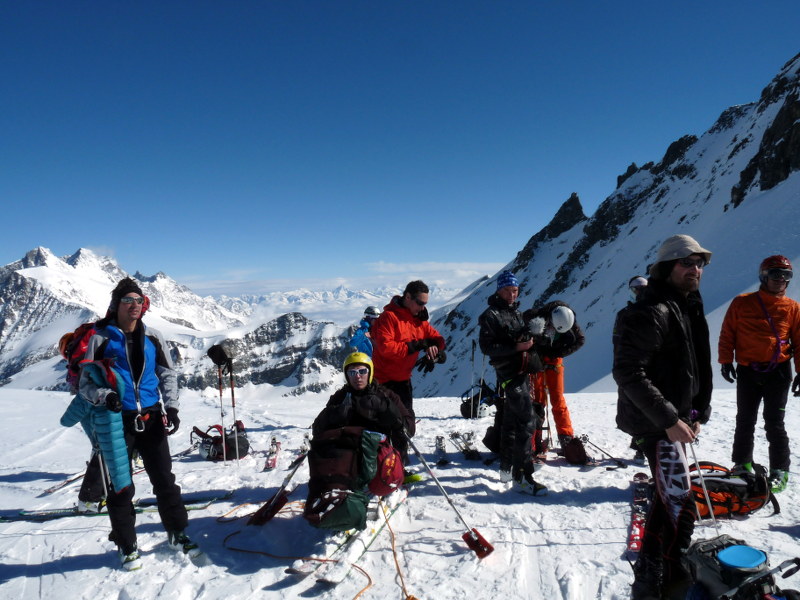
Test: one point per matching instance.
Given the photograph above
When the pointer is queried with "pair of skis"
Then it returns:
(196, 502)
(348, 548)
(79, 476)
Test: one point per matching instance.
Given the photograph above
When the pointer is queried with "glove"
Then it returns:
(729, 373)
(113, 403)
(424, 364)
(173, 422)
(441, 357)
(796, 385)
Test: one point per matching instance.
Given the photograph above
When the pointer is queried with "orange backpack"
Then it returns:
(731, 493)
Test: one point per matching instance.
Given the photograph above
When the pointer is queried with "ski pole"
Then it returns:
(618, 462)
(705, 491)
(229, 366)
(475, 541)
(472, 407)
(219, 357)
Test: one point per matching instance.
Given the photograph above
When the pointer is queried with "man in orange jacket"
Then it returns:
(759, 331)
(399, 334)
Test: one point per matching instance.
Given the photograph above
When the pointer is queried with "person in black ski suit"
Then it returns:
(364, 403)
(505, 339)
(662, 365)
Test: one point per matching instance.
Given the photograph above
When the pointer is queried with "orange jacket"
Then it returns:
(747, 333)
(391, 333)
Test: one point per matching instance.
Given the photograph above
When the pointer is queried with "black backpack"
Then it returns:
(210, 444)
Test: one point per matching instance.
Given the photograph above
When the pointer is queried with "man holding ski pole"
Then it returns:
(662, 366)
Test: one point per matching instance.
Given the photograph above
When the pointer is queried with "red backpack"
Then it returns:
(72, 347)
(389, 476)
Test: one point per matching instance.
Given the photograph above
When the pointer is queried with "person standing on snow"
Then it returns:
(662, 366)
(362, 340)
(761, 331)
(141, 358)
(399, 334)
(557, 335)
(505, 339)
(636, 285)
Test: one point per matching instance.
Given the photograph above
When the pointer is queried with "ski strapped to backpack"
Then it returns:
(731, 493)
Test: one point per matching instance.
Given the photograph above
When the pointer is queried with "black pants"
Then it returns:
(404, 390)
(520, 421)
(670, 520)
(153, 447)
(751, 388)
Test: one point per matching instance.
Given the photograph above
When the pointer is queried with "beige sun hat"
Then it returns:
(675, 247)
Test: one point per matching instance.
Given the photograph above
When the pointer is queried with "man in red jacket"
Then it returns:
(761, 329)
(399, 334)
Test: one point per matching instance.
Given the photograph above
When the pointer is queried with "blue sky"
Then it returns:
(250, 146)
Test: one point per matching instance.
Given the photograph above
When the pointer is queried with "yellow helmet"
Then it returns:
(358, 358)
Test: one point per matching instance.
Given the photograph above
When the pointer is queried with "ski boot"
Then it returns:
(130, 561)
(178, 540)
(778, 480)
(528, 485)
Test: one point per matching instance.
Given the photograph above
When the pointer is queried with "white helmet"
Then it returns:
(562, 318)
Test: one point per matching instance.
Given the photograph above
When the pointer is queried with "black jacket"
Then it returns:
(562, 344)
(502, 326)
(662, 361)
(375, 408)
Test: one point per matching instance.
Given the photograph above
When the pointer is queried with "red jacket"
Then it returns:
(747, 333)
(391, 333)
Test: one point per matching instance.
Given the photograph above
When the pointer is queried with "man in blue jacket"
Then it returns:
(149, 407)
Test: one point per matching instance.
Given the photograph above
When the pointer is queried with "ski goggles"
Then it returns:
(690, 261)
(130, 300)
(780, 274)
(363, 371)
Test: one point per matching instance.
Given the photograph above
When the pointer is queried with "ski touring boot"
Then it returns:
(778, 480)
(178, 540)
(528, 485)
(130, 561)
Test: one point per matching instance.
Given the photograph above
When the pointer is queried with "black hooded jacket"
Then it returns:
(662, 361)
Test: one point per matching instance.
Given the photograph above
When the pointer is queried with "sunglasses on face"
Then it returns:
(129, 300)
(363, 371)
(690, 262)
(779, 274)
(419, 302)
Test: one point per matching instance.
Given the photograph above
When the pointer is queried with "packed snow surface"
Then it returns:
(569, 544)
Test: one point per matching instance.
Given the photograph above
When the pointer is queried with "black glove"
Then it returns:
(173, 422)
(729, 373)
(441, 357)
(796, 385)
(425, 364)
(113, 403)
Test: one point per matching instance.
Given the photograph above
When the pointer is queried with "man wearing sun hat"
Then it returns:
(662, 366)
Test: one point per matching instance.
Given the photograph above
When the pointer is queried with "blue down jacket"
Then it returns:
(103, 426)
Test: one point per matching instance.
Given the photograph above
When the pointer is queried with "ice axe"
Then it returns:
(475, 541)
(221, 359)
(617, 462)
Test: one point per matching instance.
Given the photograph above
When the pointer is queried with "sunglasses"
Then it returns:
(420, 302)
(690, 262)
(363, 371)
(779, 274)
(129, 300)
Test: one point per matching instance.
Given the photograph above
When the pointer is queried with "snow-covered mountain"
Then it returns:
(736, 189)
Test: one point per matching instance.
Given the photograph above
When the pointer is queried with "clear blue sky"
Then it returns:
(273, 144)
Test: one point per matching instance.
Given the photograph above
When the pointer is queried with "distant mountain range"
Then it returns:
(735, 188)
